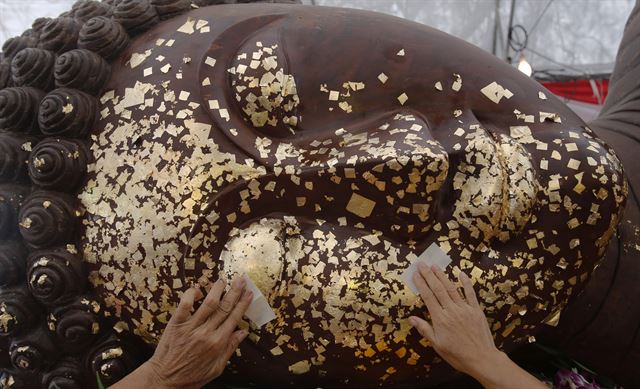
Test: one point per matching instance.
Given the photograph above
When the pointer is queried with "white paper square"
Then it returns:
(433, 255)
(259, 312)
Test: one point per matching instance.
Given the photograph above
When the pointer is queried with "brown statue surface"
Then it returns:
(326, 148)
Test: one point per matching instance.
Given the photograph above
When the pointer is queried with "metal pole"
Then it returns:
(507, 57)
(496, 28)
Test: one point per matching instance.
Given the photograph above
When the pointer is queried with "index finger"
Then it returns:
(433, 306)
(231, 322)
(210, 303)
(229, 301)
(437, 288)
(450, 288)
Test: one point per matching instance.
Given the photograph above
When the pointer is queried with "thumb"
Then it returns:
(423, 327)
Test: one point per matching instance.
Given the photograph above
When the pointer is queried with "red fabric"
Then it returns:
(579, 90)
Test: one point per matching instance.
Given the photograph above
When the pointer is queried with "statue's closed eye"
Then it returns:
(259, 97)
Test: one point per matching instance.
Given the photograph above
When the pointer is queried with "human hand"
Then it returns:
(460, 334)
(194, 349)
(459, 331)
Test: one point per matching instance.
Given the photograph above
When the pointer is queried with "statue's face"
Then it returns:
(326, 148)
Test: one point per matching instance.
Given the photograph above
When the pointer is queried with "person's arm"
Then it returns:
(460, 334)
(194, 349)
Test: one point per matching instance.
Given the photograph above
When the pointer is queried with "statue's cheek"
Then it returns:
(257, 250)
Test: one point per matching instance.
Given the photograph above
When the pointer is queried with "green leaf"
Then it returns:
(100, 386)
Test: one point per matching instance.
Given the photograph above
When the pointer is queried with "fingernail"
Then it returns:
(249, 294)
(412, 321)
(422, 266)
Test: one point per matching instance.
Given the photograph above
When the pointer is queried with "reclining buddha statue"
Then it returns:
(151, 145)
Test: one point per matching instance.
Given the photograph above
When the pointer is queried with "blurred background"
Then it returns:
(568, 45)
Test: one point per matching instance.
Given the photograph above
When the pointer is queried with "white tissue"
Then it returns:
(433, 255)
(259, 312)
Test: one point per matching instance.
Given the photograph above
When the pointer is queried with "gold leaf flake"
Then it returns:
(438, 86)
(201, 23)
(138, 58)
(259, 119)
(187, 27)
(562, 263)
(165, 68)
(519, 131)
(345, 106)
(542, 96)
(334, 95)
(147, 72)
(544, 164)
(400, 53)
(403, 98)
(382, 77)
(573, 223)
(553, 319)
(554, 117)
(210, 61)
(68, 108)
(573, 164)
(26, 223)
(457, 83)
(360, 205)
(495, 92)
(300, 367)
(184, 95)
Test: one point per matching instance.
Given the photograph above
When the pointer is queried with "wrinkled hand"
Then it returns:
(459, 331)
(194, 349)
